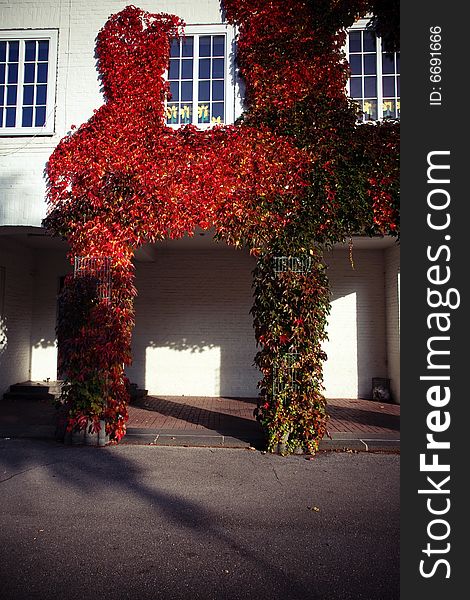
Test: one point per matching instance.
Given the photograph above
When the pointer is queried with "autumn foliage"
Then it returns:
(294, 175)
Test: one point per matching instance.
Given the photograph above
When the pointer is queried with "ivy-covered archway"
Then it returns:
(294, 176)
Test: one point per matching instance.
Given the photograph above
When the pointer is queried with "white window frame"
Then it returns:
(23, 35)
(361, 24)
(229, 88)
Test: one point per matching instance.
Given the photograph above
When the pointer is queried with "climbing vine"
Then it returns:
(293, 176)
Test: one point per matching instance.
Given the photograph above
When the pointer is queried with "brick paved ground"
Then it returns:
(193, 414)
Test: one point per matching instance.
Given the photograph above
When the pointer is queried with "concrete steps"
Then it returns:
(40, 391)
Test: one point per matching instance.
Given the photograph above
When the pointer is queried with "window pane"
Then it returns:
(204, 68)
(370, 64)
(29, 73)
(356, 87)
(388, 84)
(205, 45)
(218, 112)
(13, 73)
(218, 45)
(204, 91)
(355, 62)
(174, 71)
(13, 51)
(370, 110)
(188, 46)
(27, 119)
(10, 117)
(42, 73)
(186, 114)
(187, 69)
(398, 86)
(2, 94)
(174, 89)
(30, 51)
(218, 68)
(1, 116)
(3, 51)
(370, 87)
(2, 73)
(172, 113)
(398, 62)
(40, 116)
(186, 91)
(388, 63)
(355, 41)
(28, 95)
(41, 94)
(369, 42)
(217, 90)
(174, 48)
(389, 109)
(203, 113)
(43, 53)
(11, 95)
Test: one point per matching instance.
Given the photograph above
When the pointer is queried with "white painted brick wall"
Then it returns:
(15, 348)
(50, 265)
(356, 347)
(392, 294)
(193, 332)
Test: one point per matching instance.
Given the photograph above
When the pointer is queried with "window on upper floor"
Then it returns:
(200, 83)
(27, 81)
(375, 74)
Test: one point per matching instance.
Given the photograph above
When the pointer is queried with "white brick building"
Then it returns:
(193, 329)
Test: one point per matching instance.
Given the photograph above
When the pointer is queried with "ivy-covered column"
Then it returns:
(94, 335)
(290, 313)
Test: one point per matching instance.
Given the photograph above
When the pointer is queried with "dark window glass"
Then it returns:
(30, 51)
(398, 86)
(370, 64)
(370, 87)
(28, 95)
(188, 46)
(388, 63)
(388, 84)
(2, 73)
(218, 110)
(356, 88)
(40, 116)
(217, 68)
(13, 51)
(13, 73)
(369, 42)
(355, 62)
(187, 69)
(42, 73)
(218, 45)
(1, 116)
(355, 41)
(11, 95)
(204, 68)
(29, 73)
(2, 93)
(11, 117)
(174, 89)
(41, 94)
(398, 63)
(174, 48)
(205, 45)
(204, 90)
(27, 119)
(43, 53)
(3, 51)
(174, 71)
(186, 91)
(217, 90)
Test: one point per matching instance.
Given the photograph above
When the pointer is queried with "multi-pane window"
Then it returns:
(375, 76)
(198, 80)
(27, 81)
